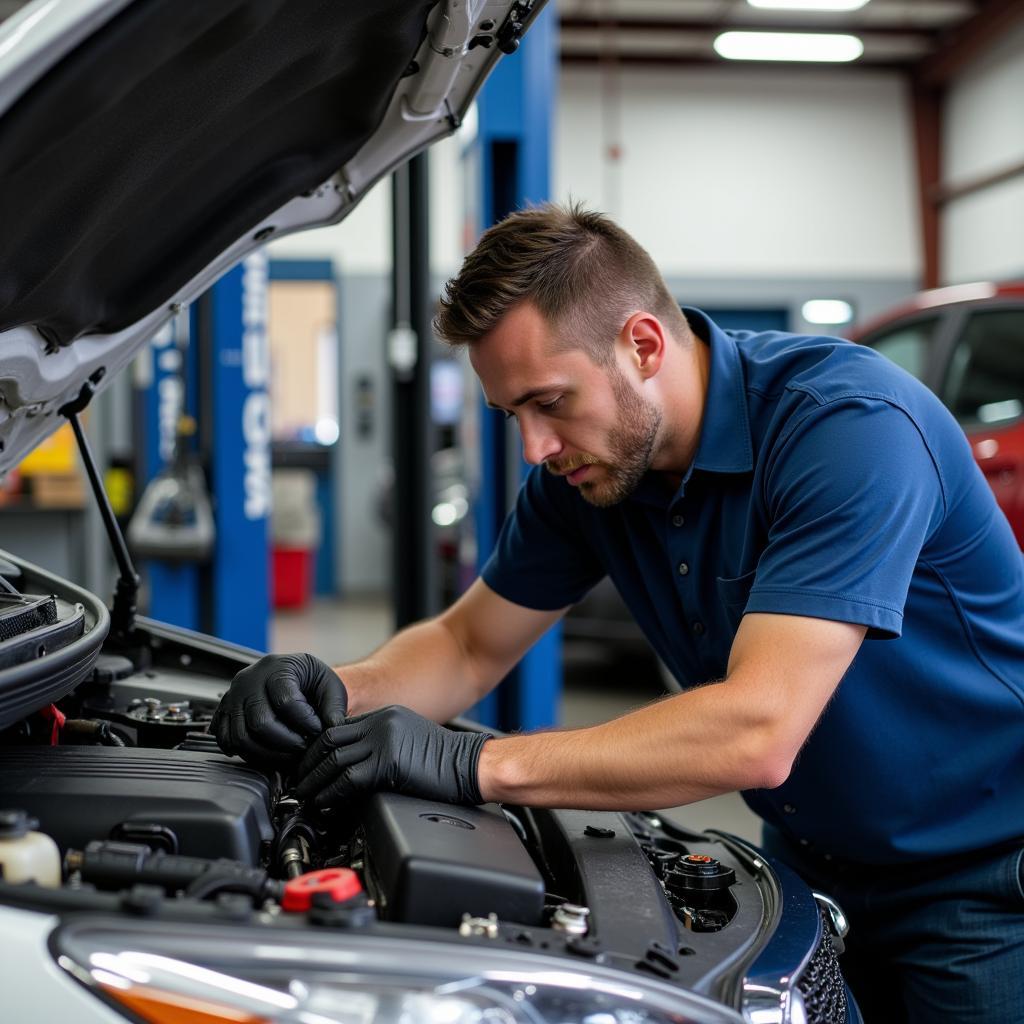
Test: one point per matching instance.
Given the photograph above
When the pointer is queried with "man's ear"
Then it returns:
(644, 338)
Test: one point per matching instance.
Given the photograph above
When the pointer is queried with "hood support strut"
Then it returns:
(126, 591)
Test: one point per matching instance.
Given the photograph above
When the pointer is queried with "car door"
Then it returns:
(983, 385)
(916, 343)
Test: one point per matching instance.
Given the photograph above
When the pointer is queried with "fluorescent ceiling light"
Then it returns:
(993, 412)
(827, 311)
(803, 46)
(808, 5)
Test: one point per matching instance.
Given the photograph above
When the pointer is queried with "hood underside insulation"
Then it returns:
(164, 137)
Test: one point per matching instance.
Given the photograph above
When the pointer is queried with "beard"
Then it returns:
(631, 448)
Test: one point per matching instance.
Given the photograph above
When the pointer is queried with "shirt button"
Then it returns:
(683, 568)
(789, 808)
(678, 520)
(698, 628)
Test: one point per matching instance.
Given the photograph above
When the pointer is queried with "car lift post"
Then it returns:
(170, 391)
(414, 584)
(235, 431)
(225, 361)
(515, 140)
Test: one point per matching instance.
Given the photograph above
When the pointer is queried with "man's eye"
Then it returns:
(508, 415)
(552, 405)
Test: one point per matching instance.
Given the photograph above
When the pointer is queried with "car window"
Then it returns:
(985, 379)
(907, 345)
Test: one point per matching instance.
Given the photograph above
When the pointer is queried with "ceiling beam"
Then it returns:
(629, 25)
(942, 194)
(968, 39)
(582, 58)
(927, 113)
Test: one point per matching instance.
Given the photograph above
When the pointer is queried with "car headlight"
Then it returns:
(176, 976)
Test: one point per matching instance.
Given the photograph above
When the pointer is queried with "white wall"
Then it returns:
(724, 171)
(737, 172)
(983, 233)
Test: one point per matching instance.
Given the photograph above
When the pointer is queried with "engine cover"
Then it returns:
(429, 863)
(215, 805)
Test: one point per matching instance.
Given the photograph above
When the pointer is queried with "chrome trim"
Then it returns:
(769, 990)
(836, 917)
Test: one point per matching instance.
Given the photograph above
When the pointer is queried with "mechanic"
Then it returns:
(765, 504)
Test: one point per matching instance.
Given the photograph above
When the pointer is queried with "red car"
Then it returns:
(967, 344)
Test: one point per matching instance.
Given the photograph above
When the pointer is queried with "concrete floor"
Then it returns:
(594, 690)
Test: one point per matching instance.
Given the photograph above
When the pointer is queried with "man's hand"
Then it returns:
(275, 707)
(393, 749)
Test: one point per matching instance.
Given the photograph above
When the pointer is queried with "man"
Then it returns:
(802, 533)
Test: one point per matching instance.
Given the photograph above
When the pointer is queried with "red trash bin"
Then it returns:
(295, 536)
(293, 576)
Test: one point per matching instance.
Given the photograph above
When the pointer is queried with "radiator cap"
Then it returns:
(340, 884)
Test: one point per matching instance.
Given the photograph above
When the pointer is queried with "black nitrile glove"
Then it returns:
(274, 708)
(393, 749)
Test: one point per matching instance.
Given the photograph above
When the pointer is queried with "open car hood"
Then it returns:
(149, 145)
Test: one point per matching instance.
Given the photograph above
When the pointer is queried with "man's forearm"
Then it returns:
(742, 733)
(422, 668)
(679, 750)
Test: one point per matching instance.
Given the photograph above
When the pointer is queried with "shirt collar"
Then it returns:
(724, 445)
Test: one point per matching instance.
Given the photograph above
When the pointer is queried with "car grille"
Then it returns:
(821, 983)
(19, 615)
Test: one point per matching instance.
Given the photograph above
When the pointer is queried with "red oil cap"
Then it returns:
(340, 883)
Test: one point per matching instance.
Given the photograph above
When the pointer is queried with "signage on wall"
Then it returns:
(170, 390)
(256, 425)
(239, 595)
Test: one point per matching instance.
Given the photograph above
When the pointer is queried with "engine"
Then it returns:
(182, 801)
(137, 793)
(151, 819)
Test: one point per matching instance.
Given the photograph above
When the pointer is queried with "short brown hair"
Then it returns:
(584, 274)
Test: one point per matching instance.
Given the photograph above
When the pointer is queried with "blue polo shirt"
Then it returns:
(828, 483)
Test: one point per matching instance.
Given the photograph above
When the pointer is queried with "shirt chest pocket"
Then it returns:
(733, 592)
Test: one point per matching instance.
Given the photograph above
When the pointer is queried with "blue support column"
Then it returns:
(515, 113)
(239, 449)
(173, 587)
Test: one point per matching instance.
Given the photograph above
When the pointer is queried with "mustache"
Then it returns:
(569, 465)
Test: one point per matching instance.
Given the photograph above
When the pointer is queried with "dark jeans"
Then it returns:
(940, 941)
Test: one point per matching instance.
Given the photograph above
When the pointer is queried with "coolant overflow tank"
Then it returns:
(697, 879)
(26, 855)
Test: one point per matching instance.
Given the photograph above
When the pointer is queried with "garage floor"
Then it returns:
(340, 631)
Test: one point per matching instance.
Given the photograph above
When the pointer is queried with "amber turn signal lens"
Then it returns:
(159, 1007)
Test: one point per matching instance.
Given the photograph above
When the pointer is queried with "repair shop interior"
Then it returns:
(511, 511)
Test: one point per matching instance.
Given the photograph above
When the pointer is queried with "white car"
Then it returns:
(149, 145)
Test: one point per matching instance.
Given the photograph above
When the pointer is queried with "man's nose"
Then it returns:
(539, 444)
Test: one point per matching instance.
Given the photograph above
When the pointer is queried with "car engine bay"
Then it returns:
(152, 820)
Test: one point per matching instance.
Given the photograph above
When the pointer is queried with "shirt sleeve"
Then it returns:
(852, 494)
(542, 559)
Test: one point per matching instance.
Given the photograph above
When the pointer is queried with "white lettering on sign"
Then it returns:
(170, 400)
(170, 393)
(169, 360)
(256, 435)
(164, 336)
(255, 375)
(255, 346)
